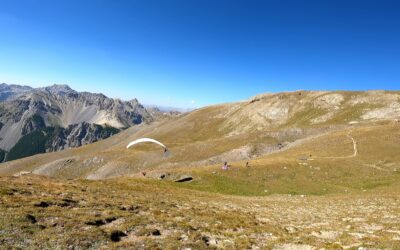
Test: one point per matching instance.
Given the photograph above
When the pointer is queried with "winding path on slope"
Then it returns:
(355, 150)
(354, 145)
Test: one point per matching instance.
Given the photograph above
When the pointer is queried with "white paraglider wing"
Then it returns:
(142, 140)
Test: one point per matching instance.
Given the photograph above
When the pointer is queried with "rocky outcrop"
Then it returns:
(307, 108)
(33, 123)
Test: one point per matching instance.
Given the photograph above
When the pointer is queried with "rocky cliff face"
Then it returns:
(80, 117)
(80, 134)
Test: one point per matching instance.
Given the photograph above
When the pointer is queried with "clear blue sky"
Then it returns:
(174, 53)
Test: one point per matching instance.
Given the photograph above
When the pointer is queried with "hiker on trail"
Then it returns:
(225, 166)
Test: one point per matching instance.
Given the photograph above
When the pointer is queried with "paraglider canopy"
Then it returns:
(143, 140)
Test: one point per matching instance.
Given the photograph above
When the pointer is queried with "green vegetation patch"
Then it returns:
(38, 141)
(107, 131)
(30, 144)
(2, 155)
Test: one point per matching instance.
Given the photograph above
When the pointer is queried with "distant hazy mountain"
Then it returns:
(56, 117)
(8, 92)
(168, 108)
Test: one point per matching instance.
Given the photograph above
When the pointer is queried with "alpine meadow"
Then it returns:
(200, 125)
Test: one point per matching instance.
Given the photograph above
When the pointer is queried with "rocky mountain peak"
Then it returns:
(83, 117)
(58, 89)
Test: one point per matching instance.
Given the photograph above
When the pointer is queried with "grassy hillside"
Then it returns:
(330, 169)
(38, 212)
(324, 172)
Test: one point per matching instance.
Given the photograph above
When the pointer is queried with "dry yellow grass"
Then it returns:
(150, 214)
(316, 191)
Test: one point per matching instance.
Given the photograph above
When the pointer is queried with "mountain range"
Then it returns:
(38, 120)
(240, 131)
